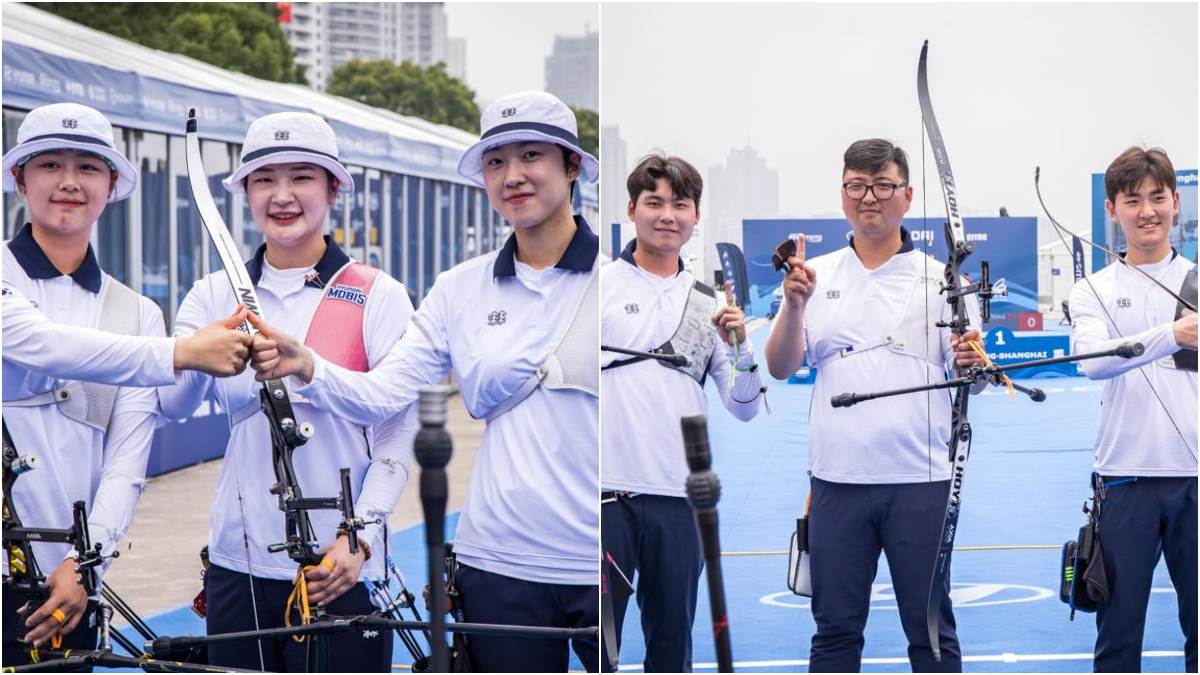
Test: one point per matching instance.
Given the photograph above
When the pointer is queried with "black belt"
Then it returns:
(609, 495)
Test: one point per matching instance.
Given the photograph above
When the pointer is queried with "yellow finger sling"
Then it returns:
(299, 597)
(987, 361)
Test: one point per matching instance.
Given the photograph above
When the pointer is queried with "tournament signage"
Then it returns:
(1009, 244)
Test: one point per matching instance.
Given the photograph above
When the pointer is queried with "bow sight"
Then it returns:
(24, 573)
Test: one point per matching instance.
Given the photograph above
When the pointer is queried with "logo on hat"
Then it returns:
(1124, 302)
(70, 123)
(497, 318)
(508, 112)
(282, 135)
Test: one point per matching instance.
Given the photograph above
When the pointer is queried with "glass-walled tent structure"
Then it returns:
(410, 214)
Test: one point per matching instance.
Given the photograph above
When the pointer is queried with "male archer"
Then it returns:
(648, 300)
(1145, 451)
(880, 474)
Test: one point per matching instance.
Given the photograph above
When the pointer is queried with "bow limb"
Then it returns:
(956, 295)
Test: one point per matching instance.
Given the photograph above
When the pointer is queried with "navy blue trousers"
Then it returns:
(230, 609)
(494, 598)
(84, 637)
(849, 524)
(1140, 521)
(655, 537)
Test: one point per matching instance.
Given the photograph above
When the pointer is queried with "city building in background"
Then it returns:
(742, 187)
(421, 31)
(456, 57)
(325, 35)
(573, 70)
(614, 168)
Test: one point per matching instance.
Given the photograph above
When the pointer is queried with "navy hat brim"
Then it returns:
(470, 165)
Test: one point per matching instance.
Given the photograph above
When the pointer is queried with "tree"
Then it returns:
(242, 37)
(408, 89)
(589, 130)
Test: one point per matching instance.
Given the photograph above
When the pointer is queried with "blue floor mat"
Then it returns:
(1026, 480)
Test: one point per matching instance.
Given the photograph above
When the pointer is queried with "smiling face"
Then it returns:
(66, 190)
(869, 215)
(664, 220)
(529, 183)
(289, 202)
(1145, 216)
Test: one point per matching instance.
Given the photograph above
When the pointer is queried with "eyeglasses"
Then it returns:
(882, 191)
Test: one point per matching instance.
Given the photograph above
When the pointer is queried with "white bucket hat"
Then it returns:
(284, 137)
(526, 116)
(69, 126)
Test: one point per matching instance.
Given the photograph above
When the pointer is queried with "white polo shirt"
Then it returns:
(902, 439)
(533, 511)
(78, 462)
(379, 458)
(642, 403)
(1148, 408)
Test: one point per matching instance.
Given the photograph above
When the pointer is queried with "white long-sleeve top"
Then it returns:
(902, 439)
(34, 341)
(533, 511)
(1148, 407)
(641, 403)
(78, 462)
(379, 457)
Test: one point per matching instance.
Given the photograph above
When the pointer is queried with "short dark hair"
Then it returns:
(1135, 165)
(683, 178)
(872, 155)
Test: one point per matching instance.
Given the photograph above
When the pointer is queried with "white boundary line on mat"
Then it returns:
(1007, 657)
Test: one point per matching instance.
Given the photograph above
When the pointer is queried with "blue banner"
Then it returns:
(1006, 348)
(1008, 244)
(733, 266)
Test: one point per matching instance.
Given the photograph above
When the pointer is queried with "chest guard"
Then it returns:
(574, 363)
(92, 403)
(336, 329)
(1185, 359)
(695, 337)
(913, 334)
